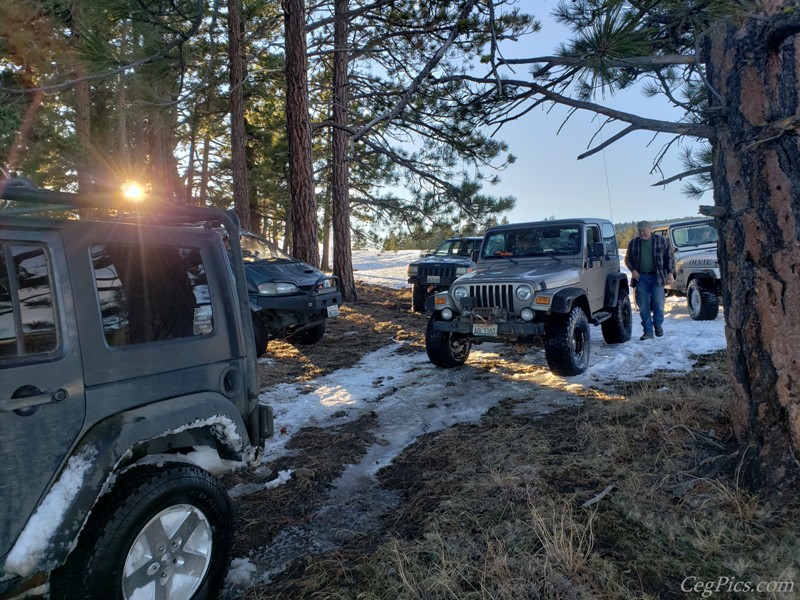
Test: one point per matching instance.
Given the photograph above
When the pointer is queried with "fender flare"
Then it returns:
(614, 283)
(110, 445)
(564, 299)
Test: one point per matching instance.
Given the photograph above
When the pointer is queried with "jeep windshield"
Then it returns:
(696, 234)
(456, 247)
(541, 240)
(255, 248)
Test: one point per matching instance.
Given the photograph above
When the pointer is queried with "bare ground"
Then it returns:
(630, 495)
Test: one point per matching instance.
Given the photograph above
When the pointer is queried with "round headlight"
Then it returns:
(447, 314)
(526, 314)
(459, 293)
(523, 293)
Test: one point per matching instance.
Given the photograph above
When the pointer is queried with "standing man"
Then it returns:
(651, 263)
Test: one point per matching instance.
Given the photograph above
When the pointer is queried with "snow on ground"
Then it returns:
(411, 397)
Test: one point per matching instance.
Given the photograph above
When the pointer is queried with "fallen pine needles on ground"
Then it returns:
(632, 497)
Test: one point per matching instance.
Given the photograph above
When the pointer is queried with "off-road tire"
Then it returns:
(309, 336)
(617, 329)
(260, 334)
(418, 295)
(567, 342)
(446, 349)
(141, 507)
(702, 303)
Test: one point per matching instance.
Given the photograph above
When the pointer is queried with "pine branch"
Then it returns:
(424, 73)
(689, 173)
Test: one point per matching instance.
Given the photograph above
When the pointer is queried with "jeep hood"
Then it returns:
(291, 271)
(705, 256)
(461, 261)
(553, 274)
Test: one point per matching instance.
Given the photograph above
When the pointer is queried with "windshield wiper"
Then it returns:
(499, 254)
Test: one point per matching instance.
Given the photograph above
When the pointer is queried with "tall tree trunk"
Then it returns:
(325, 261)
(202, 196)
(194, 124)
(122, 109)
(756, 174)
(236, 69)
(340, 190)
(298, 129)
(83, 130)
(256, 222)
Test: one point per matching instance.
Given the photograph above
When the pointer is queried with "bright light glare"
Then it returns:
(132, 190)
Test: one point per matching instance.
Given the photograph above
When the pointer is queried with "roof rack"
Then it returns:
(38, 200)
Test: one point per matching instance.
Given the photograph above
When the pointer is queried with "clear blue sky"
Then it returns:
(547, 178)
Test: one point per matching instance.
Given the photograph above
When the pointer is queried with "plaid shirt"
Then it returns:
(662, 256)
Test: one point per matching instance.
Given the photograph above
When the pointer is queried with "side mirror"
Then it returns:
(597, 250)
(474, 255)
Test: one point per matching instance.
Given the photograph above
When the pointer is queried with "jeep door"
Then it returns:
(594, 274)
(42, 403)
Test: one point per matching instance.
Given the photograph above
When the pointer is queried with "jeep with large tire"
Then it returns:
(437, 270)
(126, 377)
(536, 282)
(288, 298)
(694, 246)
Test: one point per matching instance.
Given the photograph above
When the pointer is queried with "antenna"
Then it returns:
(608, 187)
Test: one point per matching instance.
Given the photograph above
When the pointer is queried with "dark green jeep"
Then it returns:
(126, 365)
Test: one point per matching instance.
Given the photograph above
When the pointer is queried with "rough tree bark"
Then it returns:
(236, 70)
(340, 191)
(754, 67)
(298, 129)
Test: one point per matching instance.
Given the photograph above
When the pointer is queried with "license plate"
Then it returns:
(433, 279)
(333, 310)
(490, 330)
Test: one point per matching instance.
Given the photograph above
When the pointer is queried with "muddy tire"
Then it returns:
(702, 302)
(260, 335)
(162, 532)
(617, 329)
(418, 295)
(567, 343)
(446, 349)
(309, 336)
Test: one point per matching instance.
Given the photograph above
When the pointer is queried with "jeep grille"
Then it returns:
(493, 295)
(442, 272)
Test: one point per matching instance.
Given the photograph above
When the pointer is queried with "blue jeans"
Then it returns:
(650, 298)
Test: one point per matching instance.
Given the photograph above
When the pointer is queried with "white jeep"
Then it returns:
(694, 246)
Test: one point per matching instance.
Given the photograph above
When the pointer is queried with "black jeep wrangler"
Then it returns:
(125, 353)
(438, 269)
(288, 297)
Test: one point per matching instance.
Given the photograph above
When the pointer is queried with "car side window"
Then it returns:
(151, 293)
(27, 314)
(609, 238)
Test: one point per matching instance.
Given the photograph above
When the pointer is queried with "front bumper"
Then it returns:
(505, 329)
(440, 286)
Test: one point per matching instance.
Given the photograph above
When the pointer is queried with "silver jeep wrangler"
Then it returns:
(536, 281)
(694, 245)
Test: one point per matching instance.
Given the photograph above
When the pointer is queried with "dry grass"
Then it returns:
(493, 511)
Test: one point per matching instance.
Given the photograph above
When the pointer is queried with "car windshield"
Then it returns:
(255, 247)
(697, 234)
(456, 247)
(541, 240)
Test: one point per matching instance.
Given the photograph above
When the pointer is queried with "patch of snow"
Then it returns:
(410, 397)
(28, 552)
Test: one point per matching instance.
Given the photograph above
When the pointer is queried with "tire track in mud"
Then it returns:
(407, 397)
